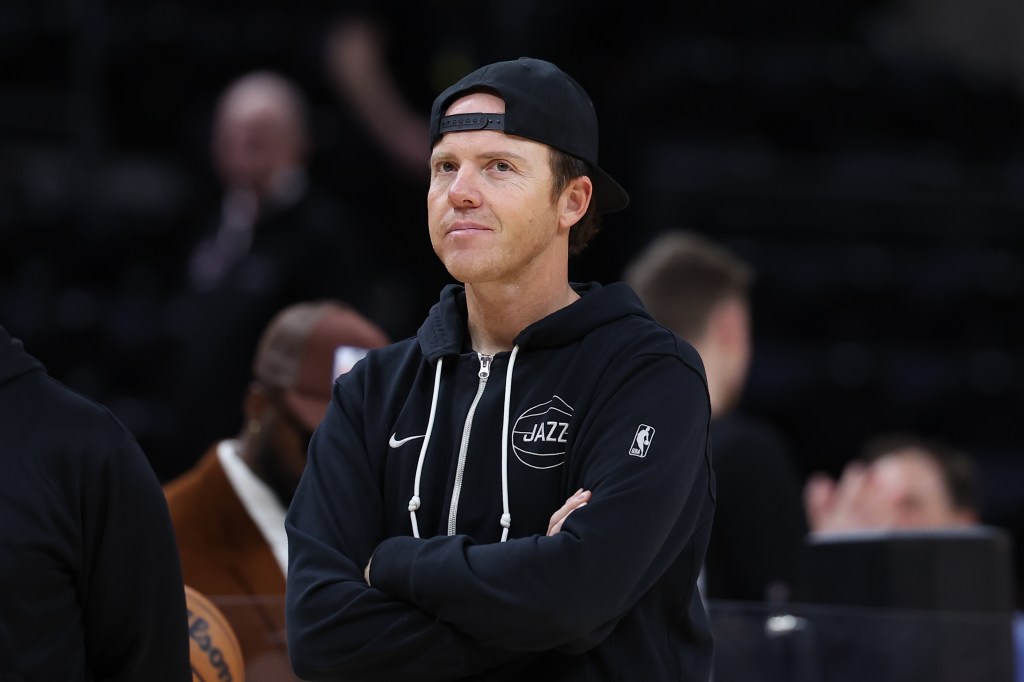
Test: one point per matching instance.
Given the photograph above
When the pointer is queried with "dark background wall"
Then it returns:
(867, 158)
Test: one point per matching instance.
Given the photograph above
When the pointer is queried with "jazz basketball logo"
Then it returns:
(642, 440)
(539, 437)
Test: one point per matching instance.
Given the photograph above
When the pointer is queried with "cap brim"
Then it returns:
(609, 194)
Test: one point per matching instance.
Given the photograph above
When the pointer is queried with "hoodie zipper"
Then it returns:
(485, 371)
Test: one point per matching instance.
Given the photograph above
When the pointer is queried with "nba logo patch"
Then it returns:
(642, 440)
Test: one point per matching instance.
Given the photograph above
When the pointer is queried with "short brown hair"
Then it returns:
(565, 168)
(681, 276)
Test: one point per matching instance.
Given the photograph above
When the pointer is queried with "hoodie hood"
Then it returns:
(444, 331)
(14, 361)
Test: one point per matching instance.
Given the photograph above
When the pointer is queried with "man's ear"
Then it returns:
(575, 200)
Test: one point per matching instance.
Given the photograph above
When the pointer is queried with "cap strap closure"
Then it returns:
(450, 124)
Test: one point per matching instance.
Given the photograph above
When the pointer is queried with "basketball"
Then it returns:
(213, 648)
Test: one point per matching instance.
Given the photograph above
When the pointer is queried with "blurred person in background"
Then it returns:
(273, 238)
(260, 146)
(898, 482)
(701, 291)
(902, 481)
(92, 587)
(228, 510)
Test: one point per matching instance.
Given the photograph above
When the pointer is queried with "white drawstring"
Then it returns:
(414, 502)
(506, 516)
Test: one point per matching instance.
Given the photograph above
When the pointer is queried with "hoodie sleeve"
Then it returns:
(133, 598)
(570, 590)
(338, 626)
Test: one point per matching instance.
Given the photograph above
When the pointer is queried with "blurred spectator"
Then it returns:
(902, 482)
(899, 482)
(700, 290)
(92, 587)
(259, 148)
(228, 510)
(273, 239)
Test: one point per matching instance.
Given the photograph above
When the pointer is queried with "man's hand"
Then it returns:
(853, 503)
(579, 499)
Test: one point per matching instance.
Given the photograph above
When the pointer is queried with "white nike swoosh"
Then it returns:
(396, 443)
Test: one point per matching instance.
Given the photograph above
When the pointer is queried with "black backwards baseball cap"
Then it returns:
(543, 104)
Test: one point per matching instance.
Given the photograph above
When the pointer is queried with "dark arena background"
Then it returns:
(867, 158)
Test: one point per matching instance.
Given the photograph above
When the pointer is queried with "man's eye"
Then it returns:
(502, 166)
(446, 167)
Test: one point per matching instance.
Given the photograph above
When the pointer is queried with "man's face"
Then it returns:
(912, 486)
(489, 206)
(730, 331)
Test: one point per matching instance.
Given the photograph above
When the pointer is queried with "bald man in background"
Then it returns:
(270, 239)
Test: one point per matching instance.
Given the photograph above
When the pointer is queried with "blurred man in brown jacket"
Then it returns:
(228, 510)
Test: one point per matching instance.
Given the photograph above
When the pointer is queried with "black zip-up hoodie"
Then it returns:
(91, 583)
(446, 466)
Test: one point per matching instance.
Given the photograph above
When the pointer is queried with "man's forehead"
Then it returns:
(488, 144)
(477, 103)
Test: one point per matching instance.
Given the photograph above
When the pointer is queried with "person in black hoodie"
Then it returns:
(524, 489)
(92, 584)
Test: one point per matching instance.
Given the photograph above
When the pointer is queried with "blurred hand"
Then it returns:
(855, 502)
(356, 56)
